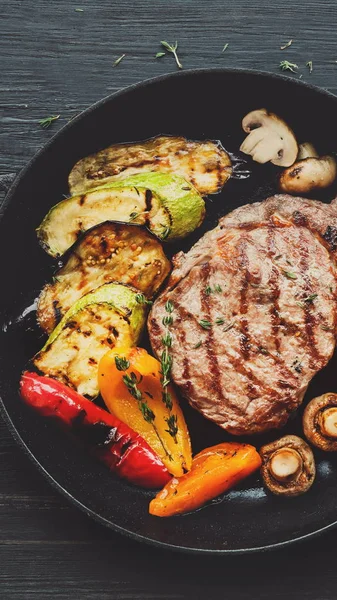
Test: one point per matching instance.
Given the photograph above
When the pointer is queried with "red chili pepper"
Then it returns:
(123, 450)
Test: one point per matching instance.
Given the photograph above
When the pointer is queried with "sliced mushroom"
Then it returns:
(310, 172)
(269, 139)
(320, 422)
(288, 466)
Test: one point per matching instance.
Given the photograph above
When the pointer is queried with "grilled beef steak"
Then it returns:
(254, 312)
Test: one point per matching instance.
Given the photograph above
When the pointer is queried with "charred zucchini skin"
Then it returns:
(169, 206)
(111, 251)
(99, 321)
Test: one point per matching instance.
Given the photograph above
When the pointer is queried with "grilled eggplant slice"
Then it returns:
(109, 252)
(206, 165)
(167, 204)
(101, 320)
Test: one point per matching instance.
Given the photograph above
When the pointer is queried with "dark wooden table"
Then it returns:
(57, 58)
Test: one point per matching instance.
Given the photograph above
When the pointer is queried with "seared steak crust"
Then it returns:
(254, 312)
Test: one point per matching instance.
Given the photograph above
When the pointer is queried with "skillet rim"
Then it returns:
(3, 411)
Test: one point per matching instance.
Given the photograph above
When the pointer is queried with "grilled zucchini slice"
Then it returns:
(206, 165)
(101, 320)
(169, 206)
(109, 252)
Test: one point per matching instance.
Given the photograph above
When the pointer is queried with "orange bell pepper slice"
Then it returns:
(214, 470)
(164, 428)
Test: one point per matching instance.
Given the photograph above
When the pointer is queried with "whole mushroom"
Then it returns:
(269, 139)
(310, 172)
(320, 422)
(288, 466)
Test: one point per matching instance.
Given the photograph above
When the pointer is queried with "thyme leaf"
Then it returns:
(219, 321)
(327, 328)
(309, 65)
(286, 45)
(225, 47)
(169, 306)
(229, 326)
(289, 274)
(172, 426)
(118, 60)
(173, 49)
(197, 345)
(167, 340)
(122, 364)
(205, 324)
(167, 320)
(160, 54)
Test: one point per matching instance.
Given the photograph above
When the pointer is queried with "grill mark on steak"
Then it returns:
(245, 337)
(209, 342)
(275, 290)
(309, 316)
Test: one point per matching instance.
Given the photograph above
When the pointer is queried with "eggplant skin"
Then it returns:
(125, 253)
(99, 321)
(204, 164)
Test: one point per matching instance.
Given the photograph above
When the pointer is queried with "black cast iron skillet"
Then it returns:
(196, 104)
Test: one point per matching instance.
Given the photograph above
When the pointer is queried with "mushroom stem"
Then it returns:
(288, 466)
(285, 464)
(320, 422)
(328, 422)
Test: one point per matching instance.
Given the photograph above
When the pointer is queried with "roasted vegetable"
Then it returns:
(109, 252)
(120, 448)
(130, 384)
(97, 322)
(214, 470)
(288, 466)
(167, 204)
(204, 164)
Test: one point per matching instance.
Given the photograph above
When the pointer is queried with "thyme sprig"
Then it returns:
(285, 65)
(48, 121)
(141, 299)
(166, 365)
(131, 382)
(173, 49)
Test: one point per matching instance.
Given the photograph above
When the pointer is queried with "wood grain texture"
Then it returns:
(55, 60)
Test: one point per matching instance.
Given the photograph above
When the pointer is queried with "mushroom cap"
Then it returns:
(269, 139)
(309, 174)
(320, 422)
(307, 150)
(288, 466)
